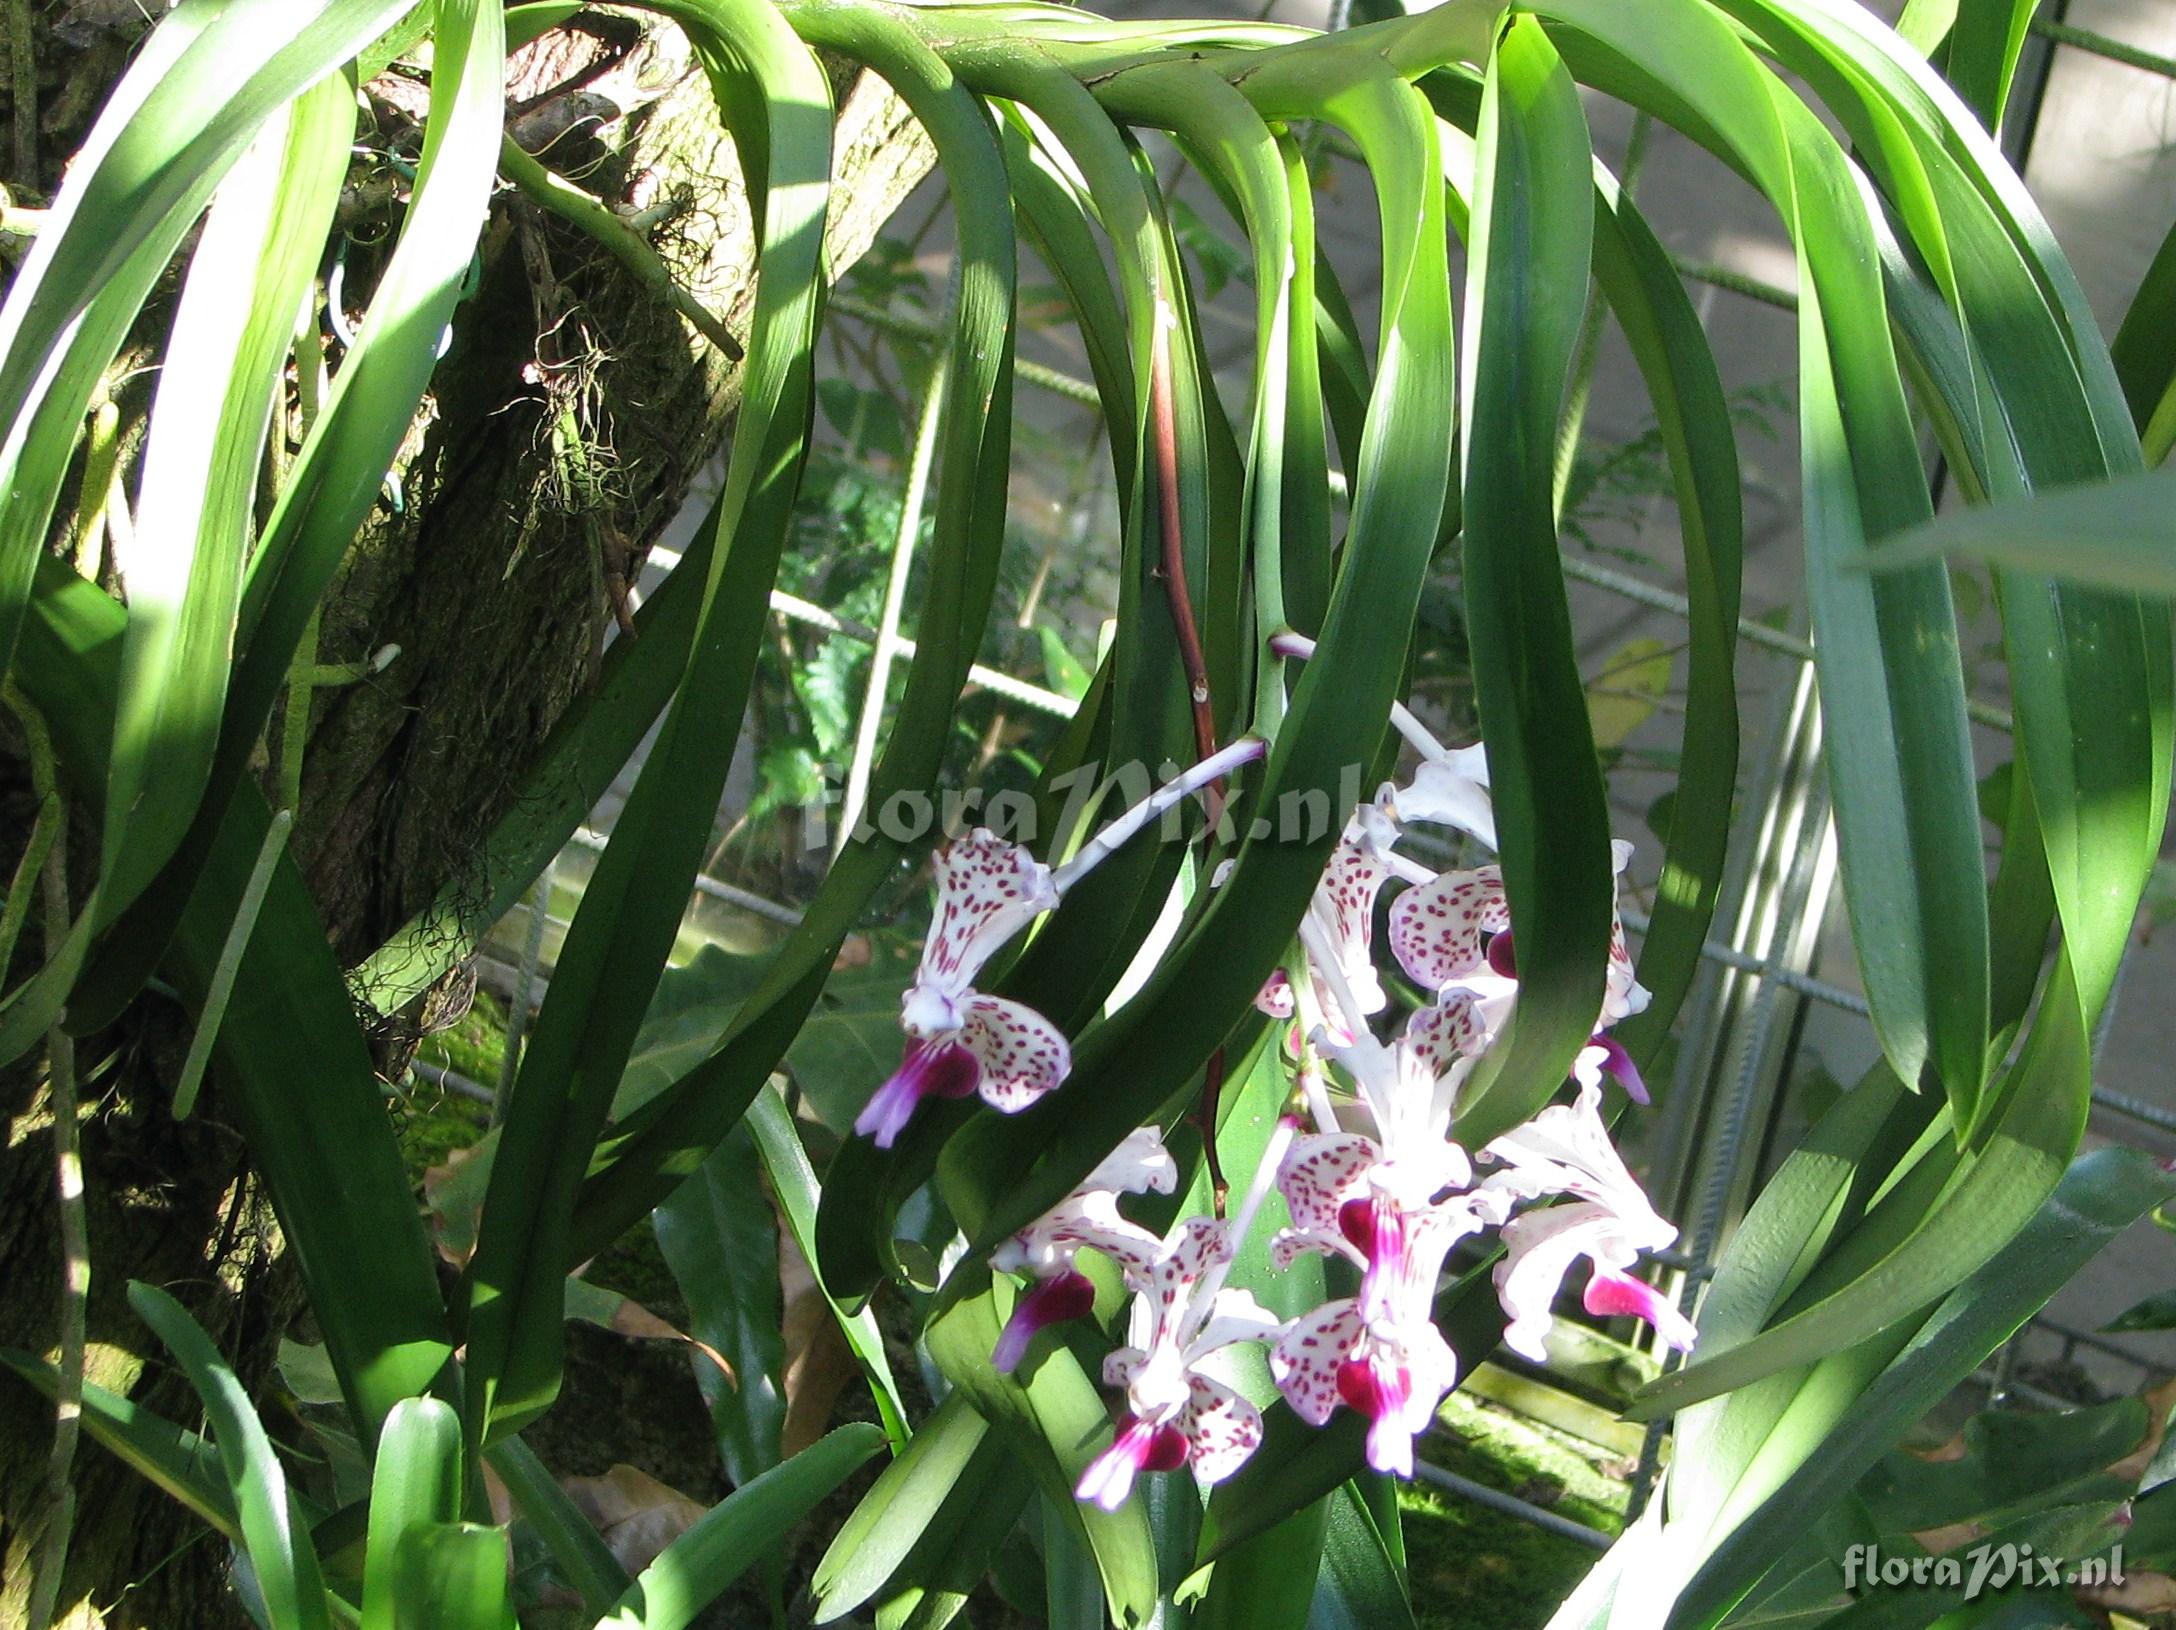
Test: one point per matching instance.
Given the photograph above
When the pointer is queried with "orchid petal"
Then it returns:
(1138, 1447)
(927, 1070)
(1436, 928)
(1320, 1173)
(1610, 1294)
(1566, 1150)
(1275, 998)
(1451, 791)
(1222, 1428)
(1234, 1316)
(1139, 1165)
(987, 891)
(1067, 1295)
(1022, 1054)
(1304, 1362)
(1344, 904)
(1540, 1248)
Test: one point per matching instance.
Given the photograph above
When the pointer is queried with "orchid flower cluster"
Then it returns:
(1368, 1174)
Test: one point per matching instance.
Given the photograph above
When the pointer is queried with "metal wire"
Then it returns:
(1638, 590)
(1511, 1506)
(796, 609)
(2100, 45)
(1034, 373)
(772, 909)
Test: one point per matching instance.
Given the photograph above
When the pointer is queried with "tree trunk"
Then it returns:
(494, 566)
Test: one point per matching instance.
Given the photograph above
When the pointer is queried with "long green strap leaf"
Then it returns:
(277, 1540)
(415, 1485)
(301, 1085)
(202, 457)
(2099, 1197)
(891, 1519)
(1054, 1418)
(176, 1461)
(650, 1150)
(193, 100)
(1127, 1068)
(1693, 415)
(1531, 247)
(1990, 1196)
(631, 909)
(335, 478)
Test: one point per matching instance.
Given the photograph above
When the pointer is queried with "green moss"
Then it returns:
(1476, 1569)
(1534, 1461)
(431, 1125)
(431, 1122)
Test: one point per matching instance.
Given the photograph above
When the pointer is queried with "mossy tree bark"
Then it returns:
(567, 421)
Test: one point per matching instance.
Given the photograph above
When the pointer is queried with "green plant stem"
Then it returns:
(101, 454)
(1590, 329)
(2102, 46)
(75, 1247)
(221, 989)
(576, 1547)
(15, 911)
(295, 726)
(1722, 277)
(613, 235)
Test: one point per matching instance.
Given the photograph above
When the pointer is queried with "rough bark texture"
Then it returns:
(496, 583)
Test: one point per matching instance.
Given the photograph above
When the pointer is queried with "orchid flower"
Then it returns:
(1566, 1150)
(1088, 1217)
(1177, 1413)
(960, 1041)
(1454, 933)
(1342, 913)
(1374, 1201)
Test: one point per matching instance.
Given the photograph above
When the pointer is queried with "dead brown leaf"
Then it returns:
(818, 1362)
(637, 1515)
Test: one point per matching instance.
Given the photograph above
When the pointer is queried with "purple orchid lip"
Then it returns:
(1139, 1447)
(1611, 1295)
(928, 1069)
(1382, 1392)
(1502, 956)
(1067, 1295)
(1618, 1062)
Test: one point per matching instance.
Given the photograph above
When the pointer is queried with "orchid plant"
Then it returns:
(1368, 1173)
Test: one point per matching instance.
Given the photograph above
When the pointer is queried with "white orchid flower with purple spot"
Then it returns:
(1088, 1218)
(1177, 1412)
(962, 1042)
(1454, 933)
(1342, 914)
(1566, 1150)
(1381, 1203)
